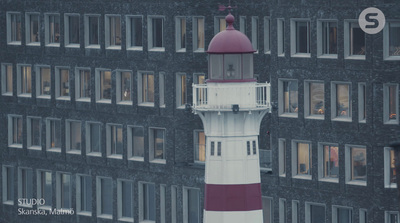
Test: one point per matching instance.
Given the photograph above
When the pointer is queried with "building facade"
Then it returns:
(93, 97)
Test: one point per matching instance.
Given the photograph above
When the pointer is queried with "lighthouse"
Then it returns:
(231, 105)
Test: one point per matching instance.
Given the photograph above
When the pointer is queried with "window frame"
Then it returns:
(334, 116)
(110, 42)
(10, 39)
(118, 89)
(110, 128)
(161, 88)
(295, 162)
(180, 30)
(58, 83)
(335, 213)
(281, 99)
(29, 133)
(129, 33)
(294, 38)
(87, 36)
(281, 37)
(321, 163)
(6, 189)
(5, 79)
(349, 165)
(181, 90)
(11, 131)
(196, 34)
(142, 202)
(308, 211)
(49, 148)
(28, 29)
(47, 32)
(386, 103)
(267, 34)
(320, 39)
(387, 167)
(282, 210)
(389, 213)
(80, 195)
(78, 84)
(151, 144)
(217, 24)
(20, 80)
(348, 26)
(362, 102)
(282, 157)
(255, 33)
(68, 136)
(40, 188)
(386, 40)
(131, 144)
(67, 31)
(25, 181)
(196, 145)
(271, 207)
(100, 74)
(121, 196)
(39, 77)
(99, 197)
(88, 138)
(150, 33)
(185, 197)
(141, 101)
(60, 191)
(307, 100)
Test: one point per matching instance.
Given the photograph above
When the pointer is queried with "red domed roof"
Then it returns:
(230, 40)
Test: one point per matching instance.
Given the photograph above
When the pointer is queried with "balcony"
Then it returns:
(249, 96)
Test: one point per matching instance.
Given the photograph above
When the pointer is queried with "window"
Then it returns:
(391, 217)
(103, 86)
(146, 88)
(390, 168)
(288, 97)
(282, 157)
(363, 215)
(161, 89)
(315, 213)
(181, 90)
(219, 148)
(267, 209)
(242, 21)
(191, 205)
(25, 185)
(327, 39)
(301, 156)
(254, 32)
(43, 82)
(267, 35)
(113, 32)
(34, 126)
(354, 41)
(295, 212)
(174, 204)
(83, 85)
(300, 38)
(391, 41)
(62, 83)
(134, 32)
(7, 79)
(136, 143)
(157, 145)
(162, 203)
(147, 202)
(329, 162)
(155, 33)
(8, 185)
(341, 101)
(24, 80)
(32, 29)
(362, 103)
(265, 159)
(356, 165)
(314, 100)
(64, 191)
(125, 200)
(15, 131)
(342, 214)
(219, 24)
(104, 187)
(390, 103)
(282, 210)
(73, 136)
(44, 188)
(92, 30)
(114, 141)
(199, 146)
(198, 34)
(124, 87)
(53, 135)
(14, 28)
(84, 194)
(180, 34)
(52, 29)
(93, 136)
(71, 25)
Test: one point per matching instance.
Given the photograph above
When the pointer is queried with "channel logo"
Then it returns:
(371, 20)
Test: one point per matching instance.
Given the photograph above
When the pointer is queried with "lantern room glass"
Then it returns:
(231, 66)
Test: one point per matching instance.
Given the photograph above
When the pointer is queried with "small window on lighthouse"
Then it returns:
(248, 147)
(254, 148)
(212, 148)
(248, 66)
(232, 66)
(216, 66)
(219, 149)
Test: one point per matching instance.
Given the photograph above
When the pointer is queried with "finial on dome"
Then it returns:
(229, 20)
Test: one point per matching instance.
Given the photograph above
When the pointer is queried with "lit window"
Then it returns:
(24, 80)
(281, 37)
(125, 200)
(32, 31)
(44, 188)
(71, 24)
(113, 32)
(180, 34)
(64, 191)
(82, 81)
(15, 131)
(155, 33)
(315, 213)
(199, 146)
(146, 88)
(391, 40)
(301, 155)
(34, 133)
(300, 38)
(53, 132)
(390, 103)
(93, 136)
(147, 202)
(327, 39)
(265, 159)
(354, 41)
(282, 210)
(161, 89)
(136, 143)
(62, 83)
(114, 141)
(191, 205)
(52, 30)
(73, 136)
(242, 24)
(341, 101)
(356, 168)
(267, 35)
(92, 31)
(8, 185)
(392, 217)
(25, 185)
(84, 195)
(134, 33)
(14, 28)
(362, 103)
(288, 97)
(124, 87)
(7, 79)
(43, 83)
(181, 90)
(282, 157)
(329, 162)
(104, 197)
(103, 86)
(219, 24)
(267, 209)
(198, 34)
(390, 168)
(254, 32)
(157, 145)
(314, 101)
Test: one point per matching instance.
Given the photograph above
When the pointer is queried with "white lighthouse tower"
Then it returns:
(231, 106)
